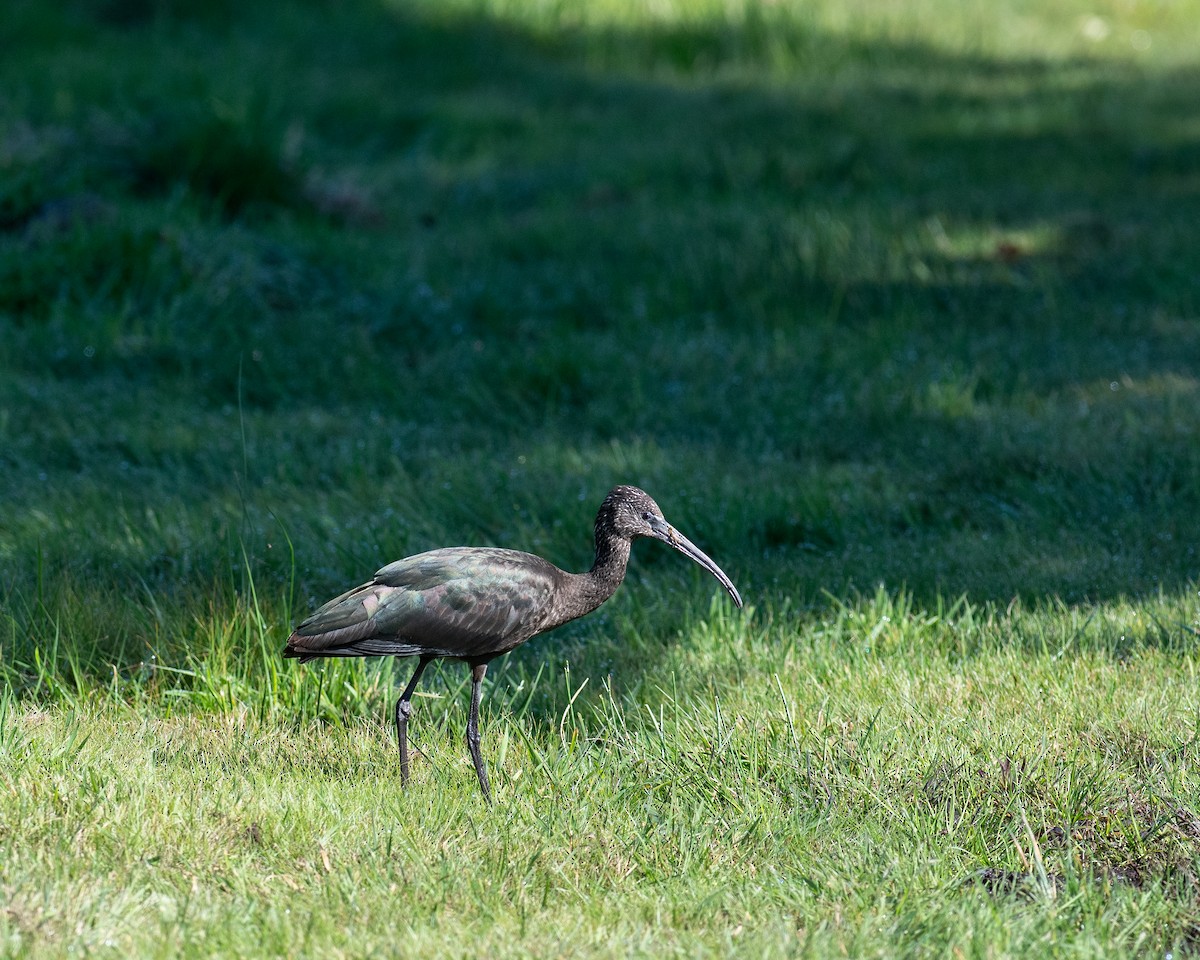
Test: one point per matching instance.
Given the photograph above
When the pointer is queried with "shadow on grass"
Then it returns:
(917, 318)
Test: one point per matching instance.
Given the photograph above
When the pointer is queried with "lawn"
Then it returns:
(892, 307)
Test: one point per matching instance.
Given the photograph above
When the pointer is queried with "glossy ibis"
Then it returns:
(476, 603)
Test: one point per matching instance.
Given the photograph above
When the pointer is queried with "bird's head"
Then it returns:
(631, 513)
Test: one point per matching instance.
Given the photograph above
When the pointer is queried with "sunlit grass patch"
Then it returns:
(967, 807)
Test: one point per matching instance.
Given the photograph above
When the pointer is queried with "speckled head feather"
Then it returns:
(624, 513)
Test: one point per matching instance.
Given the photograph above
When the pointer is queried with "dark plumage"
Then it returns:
(476, 603)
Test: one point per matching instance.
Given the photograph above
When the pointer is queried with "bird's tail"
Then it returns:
(291, 652)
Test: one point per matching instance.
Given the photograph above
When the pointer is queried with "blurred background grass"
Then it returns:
(860, 294)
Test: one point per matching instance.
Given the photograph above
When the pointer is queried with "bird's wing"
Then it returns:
(455, 602)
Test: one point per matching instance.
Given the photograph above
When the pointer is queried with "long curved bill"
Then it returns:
(669, 535)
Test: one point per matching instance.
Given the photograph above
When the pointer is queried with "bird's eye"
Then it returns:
(646, 516)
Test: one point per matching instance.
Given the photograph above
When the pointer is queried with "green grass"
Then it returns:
(892, 307)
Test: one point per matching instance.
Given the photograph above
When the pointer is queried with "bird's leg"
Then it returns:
(403, 710)
(477, 673)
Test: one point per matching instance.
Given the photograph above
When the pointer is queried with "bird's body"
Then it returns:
(477, 603)
(461, 602)
(467, 603)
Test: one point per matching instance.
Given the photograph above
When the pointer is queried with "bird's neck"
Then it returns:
(594, 587)
(608, 569)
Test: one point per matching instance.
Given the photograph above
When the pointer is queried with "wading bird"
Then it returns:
(476, 603)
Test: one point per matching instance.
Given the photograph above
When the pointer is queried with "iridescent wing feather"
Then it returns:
(456, 602)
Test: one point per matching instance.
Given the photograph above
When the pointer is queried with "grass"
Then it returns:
(892, 308)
